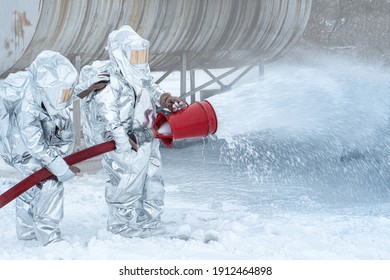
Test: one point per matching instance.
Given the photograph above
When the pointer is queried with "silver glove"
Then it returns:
(60, 169)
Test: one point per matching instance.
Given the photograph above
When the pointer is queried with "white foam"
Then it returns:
(165, 129)
(328, 99)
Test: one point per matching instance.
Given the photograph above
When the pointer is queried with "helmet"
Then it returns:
(133, 47)
(56, 76)
(129, 52)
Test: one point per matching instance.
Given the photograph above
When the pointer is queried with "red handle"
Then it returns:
(43, 173)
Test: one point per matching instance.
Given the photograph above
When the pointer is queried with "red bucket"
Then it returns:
(194, 121)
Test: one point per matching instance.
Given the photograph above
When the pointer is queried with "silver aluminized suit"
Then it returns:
(135, 189)
(36, 132)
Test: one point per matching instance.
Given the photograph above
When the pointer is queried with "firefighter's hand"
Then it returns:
(99, 82)
(74, 169)
(173, 103)
(98, 86)
(61, 169)
(134, 145)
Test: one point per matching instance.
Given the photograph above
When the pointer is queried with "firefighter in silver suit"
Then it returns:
(36, 132)
(119, 102)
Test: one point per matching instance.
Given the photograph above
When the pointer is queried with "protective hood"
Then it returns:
(129, 55)
(55, 76)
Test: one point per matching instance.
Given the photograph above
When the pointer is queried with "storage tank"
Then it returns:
(213, 33)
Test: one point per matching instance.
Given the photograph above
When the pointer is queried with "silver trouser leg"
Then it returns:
(48, 211)
(151, 205)
(40, 209)
(123, 190)
(39, 212)
(24, 217)
(120, 220)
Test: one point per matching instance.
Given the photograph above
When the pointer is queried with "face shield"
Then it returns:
(139, 58)
(58, 97)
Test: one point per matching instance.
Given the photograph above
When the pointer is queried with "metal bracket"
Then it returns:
(202, 89)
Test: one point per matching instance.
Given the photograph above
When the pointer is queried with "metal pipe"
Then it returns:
(214, 33)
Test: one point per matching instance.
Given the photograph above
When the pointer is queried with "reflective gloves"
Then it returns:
(121, 139)
(62, 170)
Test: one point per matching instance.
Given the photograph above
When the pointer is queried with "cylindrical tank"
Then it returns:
(214, 33)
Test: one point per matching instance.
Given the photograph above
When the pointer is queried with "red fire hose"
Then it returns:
(43, 173)
(196, 120)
